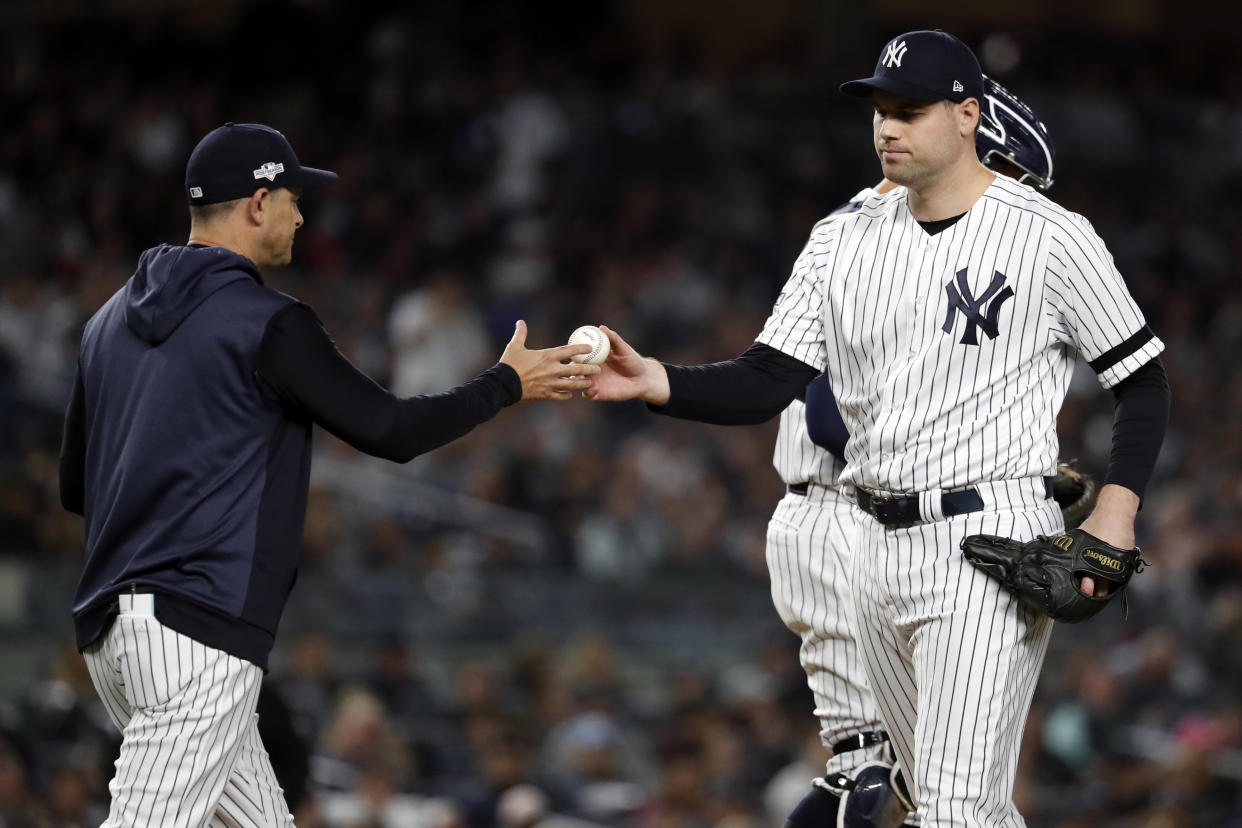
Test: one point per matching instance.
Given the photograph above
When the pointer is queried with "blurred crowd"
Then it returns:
(563, 618)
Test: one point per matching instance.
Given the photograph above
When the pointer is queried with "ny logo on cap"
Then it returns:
(896, 51)
(269, 171)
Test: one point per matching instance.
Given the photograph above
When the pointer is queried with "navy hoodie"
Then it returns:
(203, 501)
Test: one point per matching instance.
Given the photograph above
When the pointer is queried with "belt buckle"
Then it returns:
(874, 502)
(878, 505)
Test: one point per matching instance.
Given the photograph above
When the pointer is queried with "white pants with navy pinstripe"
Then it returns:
(807, 553)
(190, 751)
(952, 659)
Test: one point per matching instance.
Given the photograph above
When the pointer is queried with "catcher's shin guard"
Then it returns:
(874, 798)
(818, 809)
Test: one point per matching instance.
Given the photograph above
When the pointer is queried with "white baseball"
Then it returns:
(597, 339)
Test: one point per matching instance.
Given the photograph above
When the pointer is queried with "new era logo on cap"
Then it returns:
(957, 86)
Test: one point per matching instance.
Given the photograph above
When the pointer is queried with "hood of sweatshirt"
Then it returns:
(171, 281)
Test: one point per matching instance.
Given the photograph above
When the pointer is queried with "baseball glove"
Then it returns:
(1075, 492)
(1044, 573)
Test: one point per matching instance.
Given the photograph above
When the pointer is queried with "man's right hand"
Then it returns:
(626, 375)
(545, 374)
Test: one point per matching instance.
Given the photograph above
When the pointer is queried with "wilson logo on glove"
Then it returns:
(1111, 563)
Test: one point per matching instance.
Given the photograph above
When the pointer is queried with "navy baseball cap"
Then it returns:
(234, 160)
(923, 66)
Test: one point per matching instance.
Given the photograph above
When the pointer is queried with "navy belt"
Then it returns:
(798, 488)
(893, 511)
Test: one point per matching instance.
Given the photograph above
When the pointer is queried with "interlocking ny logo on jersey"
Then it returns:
(961, 299)
(896, 51)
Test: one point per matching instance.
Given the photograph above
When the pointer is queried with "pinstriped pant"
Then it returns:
(952, 659)
(807, 552)
(190, 751)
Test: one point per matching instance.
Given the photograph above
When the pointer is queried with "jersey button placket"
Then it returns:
(919, 298)
(915, 328)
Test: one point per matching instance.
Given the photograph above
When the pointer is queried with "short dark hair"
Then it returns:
(206, 213)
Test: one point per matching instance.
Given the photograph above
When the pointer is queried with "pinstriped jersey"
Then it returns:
(950, 354)
(797, 459)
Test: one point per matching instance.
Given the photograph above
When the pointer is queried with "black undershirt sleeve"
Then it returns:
(1139, 423)
(753, 388)
(73, 451)
(301, 365)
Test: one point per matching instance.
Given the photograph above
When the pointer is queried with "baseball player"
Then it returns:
(809, 532)
(187, 449)
(947, 315)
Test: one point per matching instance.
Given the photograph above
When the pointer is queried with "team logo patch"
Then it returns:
(961, 299)
(269, 171)
(894, 54)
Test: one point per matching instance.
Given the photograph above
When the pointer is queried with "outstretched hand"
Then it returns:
(626, 375)
(547, 374)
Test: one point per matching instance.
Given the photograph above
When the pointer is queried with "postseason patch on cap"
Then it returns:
(269, 171)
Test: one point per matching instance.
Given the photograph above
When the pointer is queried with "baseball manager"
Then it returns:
(187, 448)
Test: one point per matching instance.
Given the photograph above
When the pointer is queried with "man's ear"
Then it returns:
(968, 111)
(256, 206)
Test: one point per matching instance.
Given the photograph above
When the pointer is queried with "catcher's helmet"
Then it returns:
(1009, 131)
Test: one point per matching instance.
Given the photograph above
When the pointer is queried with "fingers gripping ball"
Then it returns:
(1045, 573)
(597, 339)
